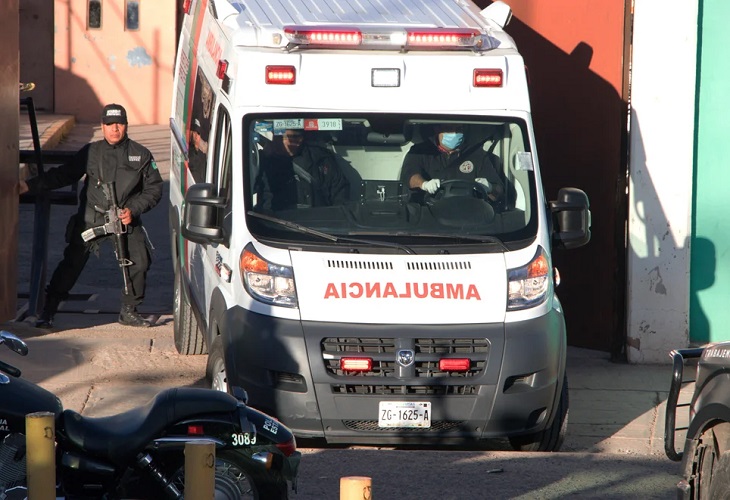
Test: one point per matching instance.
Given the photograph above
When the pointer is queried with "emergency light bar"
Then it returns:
(322, 36)
(408, 38)
(441, 38)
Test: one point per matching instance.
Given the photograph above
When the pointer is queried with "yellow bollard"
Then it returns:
(199, 470)
(355, 488)
(40, 439)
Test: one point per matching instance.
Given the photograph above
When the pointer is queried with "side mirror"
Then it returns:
(13, 343)
(571, 218)
(202, 214)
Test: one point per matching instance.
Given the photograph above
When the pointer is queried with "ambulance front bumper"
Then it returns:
(291, 370)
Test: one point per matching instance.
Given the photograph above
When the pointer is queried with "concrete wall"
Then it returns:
(9, 104)
(661, 169)
(94, 67)
(710, 276)
(36, 50)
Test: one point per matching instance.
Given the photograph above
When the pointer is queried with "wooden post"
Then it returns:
(199, 470)
(355, 488)
(40, 439)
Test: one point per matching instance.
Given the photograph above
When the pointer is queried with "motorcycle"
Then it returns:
(140, 453)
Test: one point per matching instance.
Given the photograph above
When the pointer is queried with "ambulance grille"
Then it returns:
(438, 266)
(427, 353)
(358, 264)
(372, 425)
(405, 390)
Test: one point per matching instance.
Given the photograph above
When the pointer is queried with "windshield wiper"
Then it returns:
(480, 238)
(331, 237)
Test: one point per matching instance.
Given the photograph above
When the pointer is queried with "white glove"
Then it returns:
(431, 186)
(485, 183)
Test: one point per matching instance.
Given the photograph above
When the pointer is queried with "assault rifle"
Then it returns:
(113, 225)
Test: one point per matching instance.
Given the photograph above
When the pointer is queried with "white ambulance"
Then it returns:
(361, 236)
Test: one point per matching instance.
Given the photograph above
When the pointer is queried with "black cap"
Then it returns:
(114, 113)
(196, 126)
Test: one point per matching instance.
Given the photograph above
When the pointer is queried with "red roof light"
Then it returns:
(221, 70)
(281, 75)
(487, 77)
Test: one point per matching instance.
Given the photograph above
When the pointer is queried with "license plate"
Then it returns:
(404, 414)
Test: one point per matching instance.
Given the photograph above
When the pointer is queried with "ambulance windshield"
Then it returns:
(403, 179)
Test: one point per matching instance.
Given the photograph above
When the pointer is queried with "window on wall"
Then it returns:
(94, 14)
(131, 18)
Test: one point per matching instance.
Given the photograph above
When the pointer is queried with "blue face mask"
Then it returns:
(452, 140)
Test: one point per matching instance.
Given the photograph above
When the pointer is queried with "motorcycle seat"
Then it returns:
(120, 437)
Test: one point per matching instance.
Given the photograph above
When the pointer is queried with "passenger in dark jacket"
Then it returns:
(138, 187)
(295, 174)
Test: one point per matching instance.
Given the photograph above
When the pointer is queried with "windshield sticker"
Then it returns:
(263, 127)
(524, 161)
(323, 124)
(289, 123)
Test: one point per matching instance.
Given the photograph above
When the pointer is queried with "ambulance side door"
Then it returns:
(218, 256)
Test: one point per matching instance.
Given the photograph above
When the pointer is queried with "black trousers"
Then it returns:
(76, 255)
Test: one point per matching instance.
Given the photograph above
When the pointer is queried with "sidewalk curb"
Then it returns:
(49, 138)
(56, 132)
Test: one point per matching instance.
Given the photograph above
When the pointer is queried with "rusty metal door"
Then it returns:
(576, 52)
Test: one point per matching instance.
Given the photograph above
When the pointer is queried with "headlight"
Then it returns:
(528, 285)
(267, 282)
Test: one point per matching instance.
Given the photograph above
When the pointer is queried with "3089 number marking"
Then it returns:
(243, 439)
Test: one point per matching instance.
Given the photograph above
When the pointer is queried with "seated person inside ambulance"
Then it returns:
(196, 156)
(443, 157)
(295, 174)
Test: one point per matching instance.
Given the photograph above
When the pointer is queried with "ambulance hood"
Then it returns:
(407, 289)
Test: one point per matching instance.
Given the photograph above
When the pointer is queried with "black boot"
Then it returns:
(45, 320)
(130, 317)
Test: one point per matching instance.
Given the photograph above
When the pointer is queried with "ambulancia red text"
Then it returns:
(355, 290)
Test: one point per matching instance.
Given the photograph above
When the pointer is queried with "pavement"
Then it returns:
(98, 367)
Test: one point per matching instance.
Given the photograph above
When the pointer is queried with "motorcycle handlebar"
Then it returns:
(9, 369)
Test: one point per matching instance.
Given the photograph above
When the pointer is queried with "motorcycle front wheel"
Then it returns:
(235, 478)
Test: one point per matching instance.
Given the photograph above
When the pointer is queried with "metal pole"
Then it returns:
(39, 252)
(199, 470)
(40, 439)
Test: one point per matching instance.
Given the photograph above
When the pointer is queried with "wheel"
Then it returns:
(711, 469)
(235, 478)
(215, 369)
(188, 337)
(551, 438)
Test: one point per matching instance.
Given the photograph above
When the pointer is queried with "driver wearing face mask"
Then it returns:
(445, 157)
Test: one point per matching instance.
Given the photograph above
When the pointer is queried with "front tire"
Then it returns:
(215, 369)
(550, 438)
(188, 337)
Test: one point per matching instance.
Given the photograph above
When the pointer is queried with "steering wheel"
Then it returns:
(460, 187)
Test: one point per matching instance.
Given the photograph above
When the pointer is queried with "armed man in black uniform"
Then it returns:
(138, 187)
